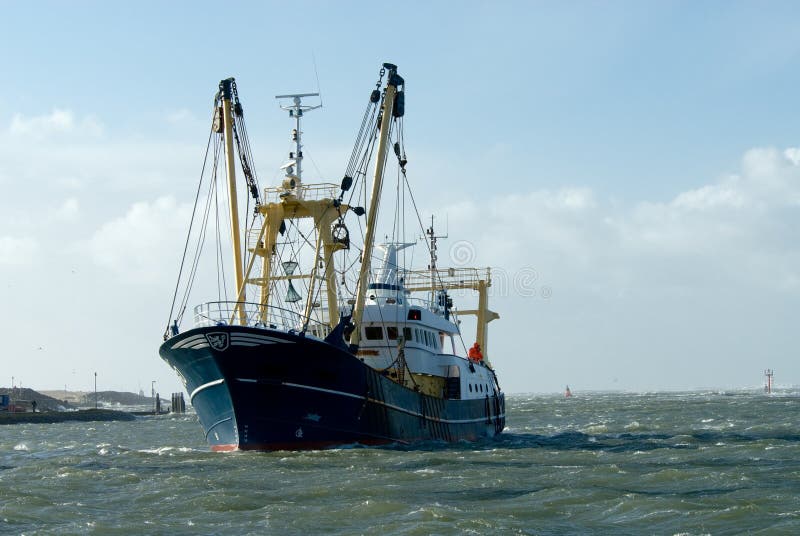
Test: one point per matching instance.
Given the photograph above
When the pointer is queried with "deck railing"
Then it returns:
(448, 278)
(220, 313)
(307, 192)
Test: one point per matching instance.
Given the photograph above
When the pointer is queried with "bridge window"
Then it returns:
(373, 333)
(415, 314)
(391, 333)
(407, 334)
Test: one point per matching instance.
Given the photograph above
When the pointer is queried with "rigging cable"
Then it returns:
(222, 286)
(203, 230)
(375, 96)
(363, 155)
(402, 161)
(188, 235)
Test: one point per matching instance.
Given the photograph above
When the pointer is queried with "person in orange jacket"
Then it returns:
(474, 353)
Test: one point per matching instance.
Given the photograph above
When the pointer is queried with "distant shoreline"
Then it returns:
(49, 417)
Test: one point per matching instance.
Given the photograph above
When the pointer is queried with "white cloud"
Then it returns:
(56, 123)
(739, 230)
(701, 281)
(793, 155)
(772, 176)
(144, 245)
(61, 151)
(622, 275)
(575, 198)
(709, 197)
(768, 178)
(68, 211)
(16, 251)
(510, 229)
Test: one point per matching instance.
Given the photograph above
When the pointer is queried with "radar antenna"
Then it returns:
(293, 167)
(432, 238)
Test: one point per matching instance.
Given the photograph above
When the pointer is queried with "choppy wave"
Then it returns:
(611, 463)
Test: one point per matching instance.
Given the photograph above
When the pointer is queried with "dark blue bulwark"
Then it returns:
(263, 389)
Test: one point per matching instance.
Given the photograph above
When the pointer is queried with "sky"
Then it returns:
(630, 171)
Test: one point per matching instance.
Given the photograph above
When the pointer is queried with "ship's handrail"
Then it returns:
(448, 278)
(403, 300)
(308, 192)
(220, 313)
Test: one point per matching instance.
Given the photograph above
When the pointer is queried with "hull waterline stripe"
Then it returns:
(205, 386)
(380, 402)
(256, 338)
(322, 390)
(428, 417)
(260, 340)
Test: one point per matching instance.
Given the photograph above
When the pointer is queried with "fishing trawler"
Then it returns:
(356, 355)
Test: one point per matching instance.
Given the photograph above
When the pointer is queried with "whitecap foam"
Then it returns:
(159, 450)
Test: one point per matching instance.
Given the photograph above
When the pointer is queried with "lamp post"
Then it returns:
(153, 395)
(95, 390)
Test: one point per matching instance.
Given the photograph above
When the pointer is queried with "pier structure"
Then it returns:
(178, 403)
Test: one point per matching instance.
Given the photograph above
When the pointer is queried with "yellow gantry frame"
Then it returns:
(377, 185)
(460, 279)
(232, 200)
(324, 212)
(292, 206)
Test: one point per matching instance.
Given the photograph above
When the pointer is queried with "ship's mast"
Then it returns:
(385, 119)
(432, 267)
(294, 167)
(226, 89)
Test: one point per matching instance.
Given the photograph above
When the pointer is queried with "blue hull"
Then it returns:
(261, 389)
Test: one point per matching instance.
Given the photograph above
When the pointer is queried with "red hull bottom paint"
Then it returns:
(224, 448)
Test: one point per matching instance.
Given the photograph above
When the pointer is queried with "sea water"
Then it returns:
(602, 463)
